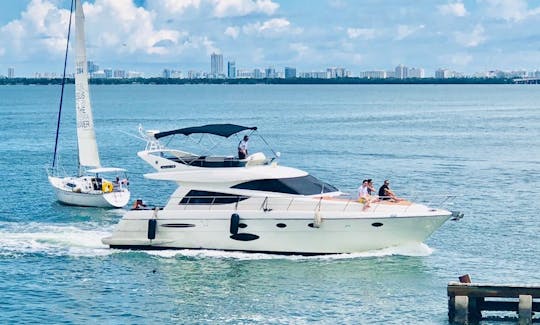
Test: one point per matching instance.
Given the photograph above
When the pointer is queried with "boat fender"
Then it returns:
(235, 221)
(152, 225)
(107, 187)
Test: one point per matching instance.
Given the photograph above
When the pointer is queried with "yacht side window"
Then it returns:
(305, 185)
(206, 197)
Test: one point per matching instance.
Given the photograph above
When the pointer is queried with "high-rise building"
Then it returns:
(335, 72)
(176, 74)
(257, 74)
(416, 73)
(133, 74)
(166, 73)
(443, 74)
(401, 72)
(98, 74)
(377, 74)
(119, 74)
(11, 72)
(314, 74)
(290, 73)
(270, 72)
(108, 73)
(216, 65)
(231, 70)
(92, 67)
(244, 74)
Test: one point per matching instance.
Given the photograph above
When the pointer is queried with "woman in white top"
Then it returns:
(363, 194)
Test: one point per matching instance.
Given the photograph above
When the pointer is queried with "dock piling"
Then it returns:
(466, 301)
(525, 309)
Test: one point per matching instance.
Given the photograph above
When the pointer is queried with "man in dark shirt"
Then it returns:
(383, 191)
(243, 148)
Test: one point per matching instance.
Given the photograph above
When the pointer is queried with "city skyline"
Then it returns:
(465, 36)
(217, 72)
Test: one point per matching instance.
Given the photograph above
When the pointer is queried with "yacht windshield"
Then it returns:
(305, 185)
(206, 197)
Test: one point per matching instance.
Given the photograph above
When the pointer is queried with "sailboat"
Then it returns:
(88, 187)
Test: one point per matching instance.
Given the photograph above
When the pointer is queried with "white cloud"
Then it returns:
(509, 10)
(134, 30)
(405, 31)
(453, 8)
(232, 32)
(272, 27)
(471, 38)
(235, 8)
(41, 28)
(114, 29)
(461, 59)
(172, 7)
(362, 33)
(299, 48)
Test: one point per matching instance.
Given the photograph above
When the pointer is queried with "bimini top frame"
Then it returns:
(153, 138)
(224, 130)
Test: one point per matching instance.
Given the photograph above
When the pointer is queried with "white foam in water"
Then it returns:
(54, 239)
(417, 249)
(85, 240)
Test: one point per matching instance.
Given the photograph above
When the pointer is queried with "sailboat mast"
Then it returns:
(63, 84)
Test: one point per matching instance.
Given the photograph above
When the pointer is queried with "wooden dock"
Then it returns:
(466, 301)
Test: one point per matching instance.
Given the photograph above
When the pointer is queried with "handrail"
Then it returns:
(289, 203)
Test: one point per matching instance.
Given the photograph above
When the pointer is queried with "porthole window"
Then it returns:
(281, 225)
(242, 225)
(376, 224)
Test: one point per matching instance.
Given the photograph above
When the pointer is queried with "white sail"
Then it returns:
(88, 150)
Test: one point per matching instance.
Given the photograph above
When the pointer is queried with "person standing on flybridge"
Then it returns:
(243, 148)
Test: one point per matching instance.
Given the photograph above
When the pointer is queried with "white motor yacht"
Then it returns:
(256, 205)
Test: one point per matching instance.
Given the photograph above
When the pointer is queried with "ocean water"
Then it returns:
(479, 142)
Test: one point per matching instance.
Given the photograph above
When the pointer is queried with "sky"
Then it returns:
(467, 36)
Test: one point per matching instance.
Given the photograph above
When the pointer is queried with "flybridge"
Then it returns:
(199, 147)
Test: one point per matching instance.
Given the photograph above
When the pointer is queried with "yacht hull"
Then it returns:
(272, 232)
(116, 199)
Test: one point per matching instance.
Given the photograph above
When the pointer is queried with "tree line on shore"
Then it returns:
(271, 81)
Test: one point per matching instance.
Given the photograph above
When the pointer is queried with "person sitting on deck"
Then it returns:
(363, 194)
(370, 188)
(243, 148)
(385, 193)
(138, 204)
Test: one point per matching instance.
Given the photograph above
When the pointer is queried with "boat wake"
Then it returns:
(417, 249)
(52, 239)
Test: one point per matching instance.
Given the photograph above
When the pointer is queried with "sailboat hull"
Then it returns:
(98, 199)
